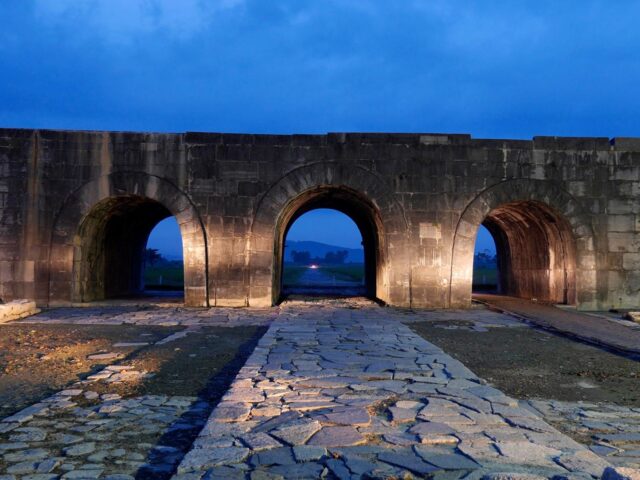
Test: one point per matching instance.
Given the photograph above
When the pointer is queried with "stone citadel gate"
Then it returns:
(77, 208)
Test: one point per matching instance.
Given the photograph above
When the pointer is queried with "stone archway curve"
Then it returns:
(363, 186)
(542, 191)
(63, 251)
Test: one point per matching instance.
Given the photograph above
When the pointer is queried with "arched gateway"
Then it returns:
(544, 243)
(355, 192)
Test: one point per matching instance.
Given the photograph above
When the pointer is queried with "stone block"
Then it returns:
(17, 309)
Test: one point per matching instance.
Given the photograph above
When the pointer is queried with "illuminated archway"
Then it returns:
(513, 211)
(535, 250)
(352, 189)
(110, 246)
(111, 217)
(349, 203)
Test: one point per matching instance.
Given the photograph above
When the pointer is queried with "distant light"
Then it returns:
(313, 266)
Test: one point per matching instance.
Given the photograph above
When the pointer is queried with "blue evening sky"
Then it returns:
(320, 225)
(510, 68)
(326, 226)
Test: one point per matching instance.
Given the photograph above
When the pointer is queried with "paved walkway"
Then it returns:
(152, 315)
(348, 393)
(612, 431)
(598, 330)
(78, 433)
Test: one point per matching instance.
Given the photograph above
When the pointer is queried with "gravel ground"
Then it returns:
(530, 363)
(38, 360)
(136, 417)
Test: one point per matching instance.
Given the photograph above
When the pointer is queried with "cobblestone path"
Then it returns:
(611, 431)
(160, 316)
(71, 434)
(352, 393)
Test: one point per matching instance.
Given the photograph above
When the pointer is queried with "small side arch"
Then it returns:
(134, 202)
(353, 190)
(537, 206)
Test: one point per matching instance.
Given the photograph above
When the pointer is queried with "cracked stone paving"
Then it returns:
(331, 391)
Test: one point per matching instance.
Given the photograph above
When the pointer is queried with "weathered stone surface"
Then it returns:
(260, 441)
(459, 426)
(201, 459)
(17, 309)
(447, 461)
(225, 187)
(30, 454)
(307, 453)
(621, 473)
(337, 437)
(356, 416)
(297, 433)
(409, 461)
(276, 456)
(79, 449)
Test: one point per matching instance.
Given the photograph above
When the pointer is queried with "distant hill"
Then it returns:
(317, 249)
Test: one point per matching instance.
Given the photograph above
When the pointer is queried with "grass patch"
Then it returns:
(485, 276)
(164, 275)
(529, 363)
(351, 272)
(292, 273)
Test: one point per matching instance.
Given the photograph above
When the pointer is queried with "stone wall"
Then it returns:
(419, 199)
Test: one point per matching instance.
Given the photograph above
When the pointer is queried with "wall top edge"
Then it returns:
(331, 138)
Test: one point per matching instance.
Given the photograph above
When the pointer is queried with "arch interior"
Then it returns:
(110, 247)
(536, 252)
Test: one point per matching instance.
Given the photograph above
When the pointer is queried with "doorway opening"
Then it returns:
(323, 255)
(535, 253)
(163, 274)
(328, 225)
(485, 263)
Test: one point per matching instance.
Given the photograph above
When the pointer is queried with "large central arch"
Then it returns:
(100, 233)
(545, 241)
(350, 189)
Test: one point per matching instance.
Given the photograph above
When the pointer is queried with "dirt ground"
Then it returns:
(39, 360)
(529, 363)
(199, 364)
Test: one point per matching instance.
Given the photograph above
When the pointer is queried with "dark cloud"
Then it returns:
(494, 68)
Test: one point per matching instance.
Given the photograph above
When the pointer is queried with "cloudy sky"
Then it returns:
(490, 68)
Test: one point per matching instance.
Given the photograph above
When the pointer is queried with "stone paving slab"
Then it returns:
(159, 316)
(352, 393)
(77, 433)
(613, 431)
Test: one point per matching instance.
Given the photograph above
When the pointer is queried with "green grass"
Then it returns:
(350, 272)
(292, 273)
(485, 276)
(172, 275)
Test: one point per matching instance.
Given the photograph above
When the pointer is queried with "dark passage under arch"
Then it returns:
(110, 247)
(536, 252)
